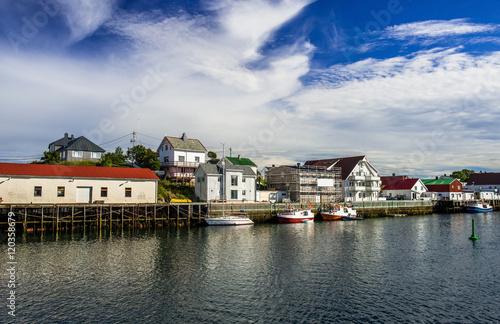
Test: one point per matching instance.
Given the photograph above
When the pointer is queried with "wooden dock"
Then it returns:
(34, 218)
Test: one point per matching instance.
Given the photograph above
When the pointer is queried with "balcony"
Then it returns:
(180, 164)
(357, 188)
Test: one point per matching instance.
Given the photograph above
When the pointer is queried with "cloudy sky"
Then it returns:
(413, 85)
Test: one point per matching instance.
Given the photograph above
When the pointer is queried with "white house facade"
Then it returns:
(61, 184)
(239, 182)
(409, 189)
(180, 156)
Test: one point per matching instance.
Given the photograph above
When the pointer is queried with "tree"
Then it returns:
(116, 159)
(143, 157)
(462, 175)
(213, 157)
(51, 157)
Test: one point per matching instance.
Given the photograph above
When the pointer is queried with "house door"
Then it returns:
(84, 195)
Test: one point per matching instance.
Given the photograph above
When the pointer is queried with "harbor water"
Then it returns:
(418, 269)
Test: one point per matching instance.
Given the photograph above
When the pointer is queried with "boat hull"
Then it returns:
(330, 217)
(228, 221)
(470, 209)
(292, 219)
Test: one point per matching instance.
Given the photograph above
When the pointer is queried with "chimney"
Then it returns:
(239, 156)
(72, 137)
(65, 135)
(298, 165)
(393, 174)
(183, 137)
(273, 166)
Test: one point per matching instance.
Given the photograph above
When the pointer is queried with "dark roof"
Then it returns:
(209, 168)
(71, 171)
(77, 144)
(405, 184)
(486, 178)
(184, 143)
(346, 163)
(241, 161)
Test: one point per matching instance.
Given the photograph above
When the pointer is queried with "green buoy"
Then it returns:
(473, 236)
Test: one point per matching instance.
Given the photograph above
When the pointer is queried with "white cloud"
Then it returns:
(438, 28)
(84, 17)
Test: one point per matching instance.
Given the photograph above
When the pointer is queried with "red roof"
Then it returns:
(70, 171)
(490, 178)
(347, 164)
(405, 184)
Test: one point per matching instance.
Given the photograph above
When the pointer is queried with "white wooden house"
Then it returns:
(180, 156)
(236, 182)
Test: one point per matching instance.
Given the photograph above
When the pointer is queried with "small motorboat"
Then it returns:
(337, 212)
(293, 215)
(477, 206)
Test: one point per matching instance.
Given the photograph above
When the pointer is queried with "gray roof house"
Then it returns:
(76, 149)
(239, 182)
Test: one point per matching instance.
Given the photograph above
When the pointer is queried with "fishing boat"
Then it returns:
(478, 207)
(232, 219)
(293, 215)
(337, 212)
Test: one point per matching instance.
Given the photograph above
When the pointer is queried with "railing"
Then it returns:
(181, 164)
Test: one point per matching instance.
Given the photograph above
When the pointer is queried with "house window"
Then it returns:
(63, 155)
(165, 159)
(196, 159)
(244, 179)
(234, 180)
(60, 192)
(181, 158)
(38, 191)
(96, 155)
(128, 192)
(77, 153)
(243, 192)
(104, 191)
(234, 194)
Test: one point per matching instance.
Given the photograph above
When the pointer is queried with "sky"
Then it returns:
(412, 84)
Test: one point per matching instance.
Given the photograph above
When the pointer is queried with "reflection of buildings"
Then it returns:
(180, 156)
(306, 184)
(360, 179)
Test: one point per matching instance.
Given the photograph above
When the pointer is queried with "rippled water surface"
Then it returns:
(421, 269)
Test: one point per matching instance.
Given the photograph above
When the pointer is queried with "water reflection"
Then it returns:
(376, 270)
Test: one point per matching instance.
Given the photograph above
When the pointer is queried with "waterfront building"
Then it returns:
(305, 183)
(485, 185)
(272, 196)
(235, 181)
(360, 179)
(76, 149)
(446, 189)
(406, 188)
(180, 156)
(59, 184)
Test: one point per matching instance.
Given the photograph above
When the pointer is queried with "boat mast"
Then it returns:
(223, 180)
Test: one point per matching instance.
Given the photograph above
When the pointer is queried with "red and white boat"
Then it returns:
(337, 213)
(292, 215)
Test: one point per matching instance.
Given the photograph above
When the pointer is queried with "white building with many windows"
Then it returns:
(360, 179)
(180, 156)
(235, 182)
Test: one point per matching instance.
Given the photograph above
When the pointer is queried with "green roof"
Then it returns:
(241, 161)
(437, 181)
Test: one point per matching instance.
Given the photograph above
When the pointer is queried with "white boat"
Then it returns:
(293, 215)
(229, 220)
(478, 207)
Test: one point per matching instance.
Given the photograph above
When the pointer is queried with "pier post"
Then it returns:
(122, 217)
(72, 218)
(41, 221)
(57, 219)
(178, 211)
(25, 224)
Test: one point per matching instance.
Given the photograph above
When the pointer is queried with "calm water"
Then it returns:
(419, 269)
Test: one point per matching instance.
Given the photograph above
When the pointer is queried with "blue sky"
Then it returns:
(412, 84)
